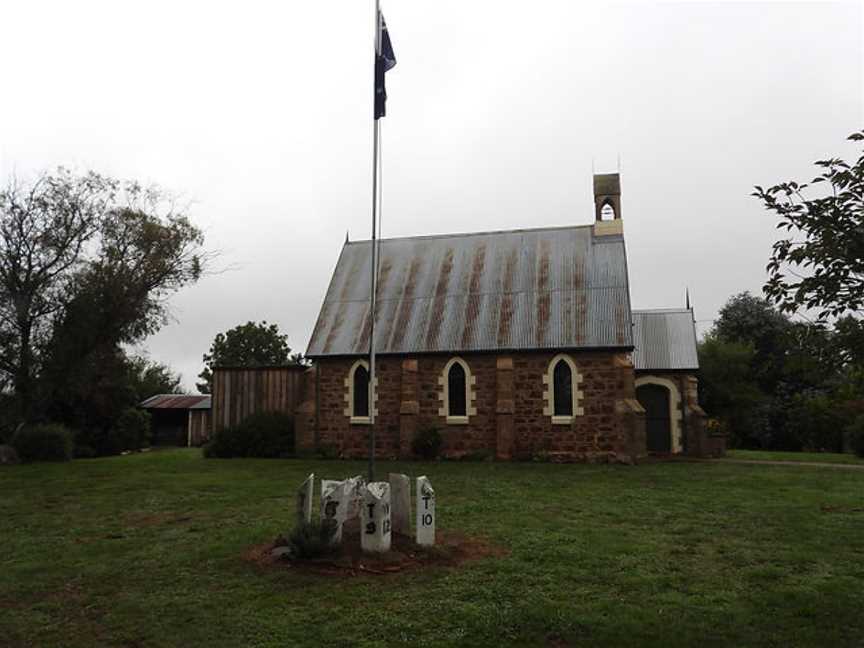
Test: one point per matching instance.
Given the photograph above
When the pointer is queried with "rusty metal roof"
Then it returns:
(176, 401)
(518, 290)
(664, 339)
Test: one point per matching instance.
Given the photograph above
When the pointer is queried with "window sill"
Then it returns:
(457, 420)
(360, 420)
(562, 420)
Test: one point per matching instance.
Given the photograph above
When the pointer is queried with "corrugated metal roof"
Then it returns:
(664, 339)
(177, 401)
(520, 289)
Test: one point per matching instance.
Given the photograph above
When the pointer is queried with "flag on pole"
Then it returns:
(384, 60)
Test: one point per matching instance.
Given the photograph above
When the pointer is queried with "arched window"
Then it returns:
(361, 392)
(456, 392)
(563, 388)
(357, 396)
(607, 212)
(562, 396)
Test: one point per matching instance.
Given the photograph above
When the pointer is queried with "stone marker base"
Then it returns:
(348, 560)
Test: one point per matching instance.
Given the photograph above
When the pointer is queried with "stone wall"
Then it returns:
(508, 398)
(696, 440)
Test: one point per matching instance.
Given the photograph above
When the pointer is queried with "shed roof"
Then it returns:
(664, 339)
(177, 401)
(517, 290)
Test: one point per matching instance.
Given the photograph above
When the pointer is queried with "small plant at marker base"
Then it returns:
(311, 540)
(856, 436)
(45, 442)
(427, 443)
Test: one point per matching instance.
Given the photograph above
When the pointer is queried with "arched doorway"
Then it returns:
(658, 429)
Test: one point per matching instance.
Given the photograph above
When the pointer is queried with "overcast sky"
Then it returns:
(260, 114)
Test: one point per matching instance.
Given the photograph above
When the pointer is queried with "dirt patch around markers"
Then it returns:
(452, 549)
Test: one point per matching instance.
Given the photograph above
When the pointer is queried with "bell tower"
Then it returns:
(607, 204)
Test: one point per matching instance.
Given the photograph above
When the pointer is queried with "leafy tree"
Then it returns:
(821, 264)
(727, 390)
(753, 321)
(247, 345)
(86, 265)
(44, 231)
(149, 378)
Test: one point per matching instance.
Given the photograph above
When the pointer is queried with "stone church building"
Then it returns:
(514, 344)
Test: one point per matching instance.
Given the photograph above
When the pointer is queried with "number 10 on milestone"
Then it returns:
(425, 512)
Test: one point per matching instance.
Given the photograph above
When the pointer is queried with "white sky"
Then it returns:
(260, 113)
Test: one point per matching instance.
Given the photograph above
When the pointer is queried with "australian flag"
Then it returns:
(384, 60)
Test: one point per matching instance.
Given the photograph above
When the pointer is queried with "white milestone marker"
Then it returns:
(400, 501)
(425, 512)
(375, 516)
(354, 489)
(334, 505)
(304, 500)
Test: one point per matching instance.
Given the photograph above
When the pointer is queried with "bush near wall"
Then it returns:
(856, 436)
(427, 443)
(265, 434)
(45, 442)
(132, 430)
(128, 433)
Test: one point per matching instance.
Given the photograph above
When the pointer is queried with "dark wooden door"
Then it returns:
(655, 400)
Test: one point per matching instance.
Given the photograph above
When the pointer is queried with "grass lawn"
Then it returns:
(801, 457)
(146, 551)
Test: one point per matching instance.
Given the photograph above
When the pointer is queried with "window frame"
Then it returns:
(349, 395)
(549, 390)
(444, 393)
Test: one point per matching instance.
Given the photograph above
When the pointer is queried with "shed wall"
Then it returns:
(237, 392)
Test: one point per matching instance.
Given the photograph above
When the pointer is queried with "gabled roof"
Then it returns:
(664, 339)
(514, 290)
(177, 401)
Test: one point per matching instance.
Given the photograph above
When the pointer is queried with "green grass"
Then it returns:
(146, 551)
(800, 457)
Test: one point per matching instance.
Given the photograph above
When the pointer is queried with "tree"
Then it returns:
(753, 321)
(44, 229)
(247, 345)
(86, 265)
(149, 378)
(821, 265)
(727, 390)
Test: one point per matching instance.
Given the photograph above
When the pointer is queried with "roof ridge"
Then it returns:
(647, 311)
(421, 237)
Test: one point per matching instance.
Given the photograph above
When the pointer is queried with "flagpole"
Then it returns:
(374, 264)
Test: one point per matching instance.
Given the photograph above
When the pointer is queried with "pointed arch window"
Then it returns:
(357, 393)
(562, 396)
(607, 212)
(457, 392)
(562, 377)
(361, 391)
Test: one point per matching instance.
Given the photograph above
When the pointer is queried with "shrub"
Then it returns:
(83, 451)
(856, 436)
(312, 540)
(131, 431)
(266, 434)
(815, 423)
(8, 455)
(427, 443)
(45, 442)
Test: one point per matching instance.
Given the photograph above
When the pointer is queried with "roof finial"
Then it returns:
(346, 236)
(687, 298)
